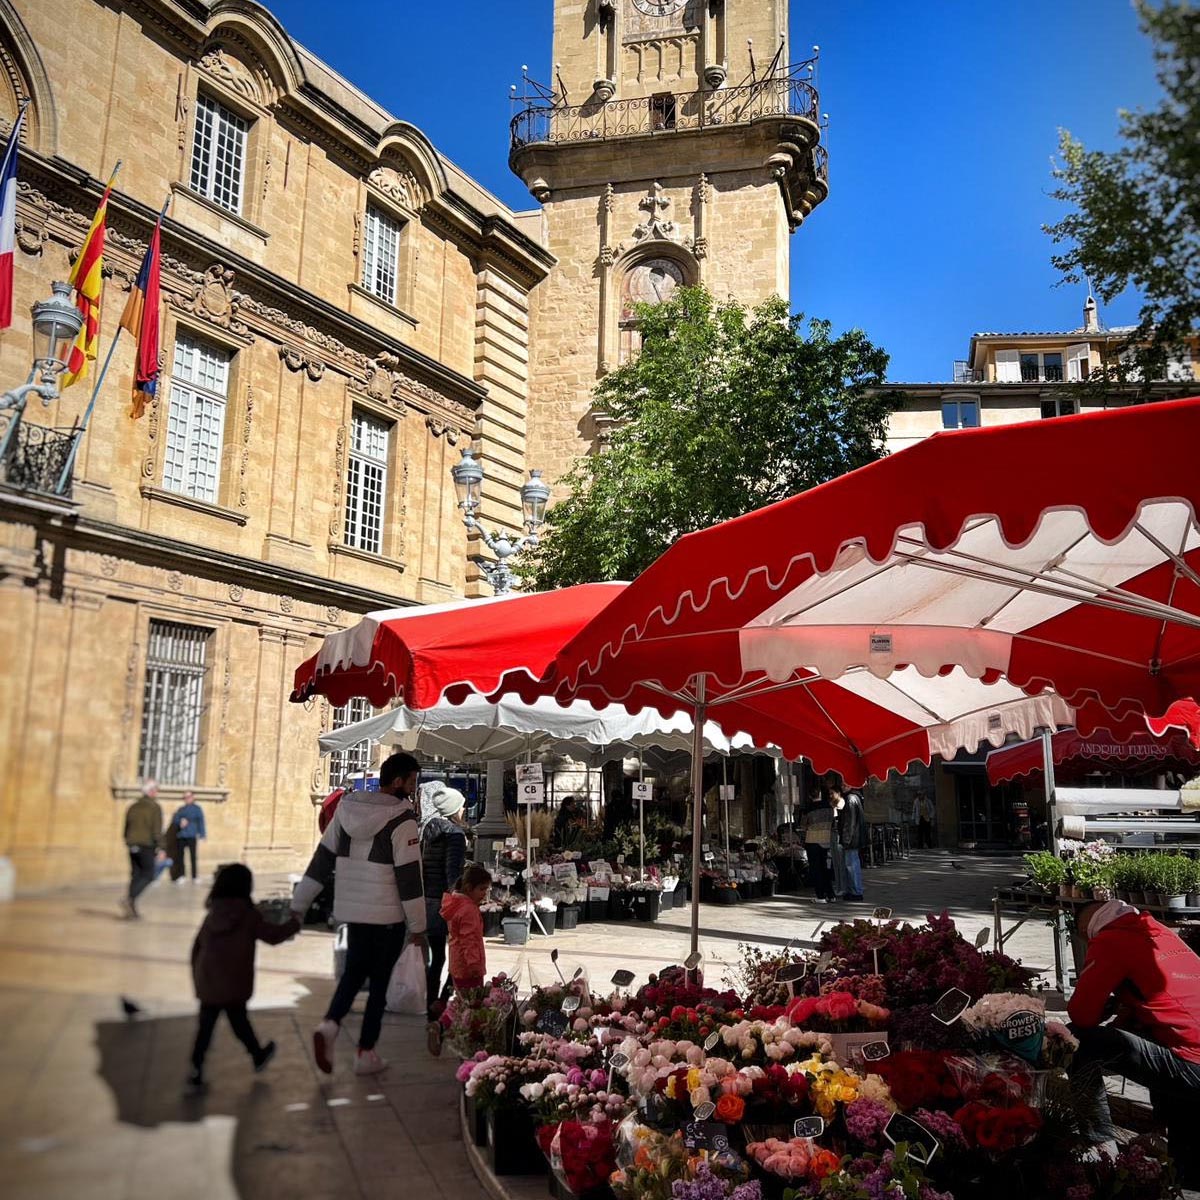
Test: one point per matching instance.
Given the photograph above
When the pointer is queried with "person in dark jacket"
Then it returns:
(851, 834)
(143, 836)
(1153, 979)
(223, 965)
(188, 823)
(443, 855)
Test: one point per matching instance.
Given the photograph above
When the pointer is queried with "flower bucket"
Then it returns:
(1193, 900)
(647, 905)
(620, 906)
(683, 894)
(666, 900)
(511, 1144)
(750, 889)
(516, 931)
(548, 921)
(846, 1046)
(768, 888)
(725, 895)
(568, 916)
(492, 923)
(476, 1122)
(1179, 901)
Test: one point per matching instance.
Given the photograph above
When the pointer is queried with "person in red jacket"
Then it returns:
(460, 910)
(1149, 975)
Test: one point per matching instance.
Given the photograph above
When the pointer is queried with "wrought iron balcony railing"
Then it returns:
(35, 458)
(669, 113)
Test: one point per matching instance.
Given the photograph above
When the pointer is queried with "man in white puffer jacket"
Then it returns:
(373, 843)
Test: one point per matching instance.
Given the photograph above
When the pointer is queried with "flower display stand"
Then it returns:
(620, 906)
(511, 1145)
(560, 1191)
(474, 1121)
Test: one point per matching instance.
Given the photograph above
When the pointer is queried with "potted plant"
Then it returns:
(620, 901)
(493, 914)
(1176, 878)
(1193, 897)
(1047, 871)
(1091, 870)
(647, 896)
(1154, 873)
(1123, 871)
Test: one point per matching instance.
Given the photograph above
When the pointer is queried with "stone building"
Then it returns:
(344, 310)
(343, 307)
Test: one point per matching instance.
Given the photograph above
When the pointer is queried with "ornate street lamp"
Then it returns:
(56, 324)
(535, 493)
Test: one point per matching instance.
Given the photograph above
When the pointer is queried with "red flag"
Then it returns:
(141, 318)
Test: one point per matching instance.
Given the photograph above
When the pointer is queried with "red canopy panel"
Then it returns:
(424, 653)
(1060, 554)
(1098, 751)
(1183, 714)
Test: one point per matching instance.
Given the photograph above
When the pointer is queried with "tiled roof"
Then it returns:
(1048, 333)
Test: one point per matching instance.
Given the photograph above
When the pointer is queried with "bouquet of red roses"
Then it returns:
(919, 1079)
(998, 1130)
(582, 1154)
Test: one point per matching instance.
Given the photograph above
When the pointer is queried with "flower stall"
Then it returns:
(895, 1060)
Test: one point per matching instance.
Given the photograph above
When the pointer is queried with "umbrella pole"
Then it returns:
(531, 913)
(698, 717)
(725, 805)
(641, 818)
(1048, 781)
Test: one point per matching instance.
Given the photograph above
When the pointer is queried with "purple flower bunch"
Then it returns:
(707, 1186)
(865, 1120)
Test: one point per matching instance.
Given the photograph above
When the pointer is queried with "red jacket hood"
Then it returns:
(457, 904)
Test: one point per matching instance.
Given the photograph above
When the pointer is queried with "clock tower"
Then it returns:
(678, 145)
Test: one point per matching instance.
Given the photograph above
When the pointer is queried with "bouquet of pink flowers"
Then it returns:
(836, 1012)
(575, 1095)
(479, 1019)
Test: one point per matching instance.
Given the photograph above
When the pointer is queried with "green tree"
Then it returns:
(723, 410)
(1136, 218)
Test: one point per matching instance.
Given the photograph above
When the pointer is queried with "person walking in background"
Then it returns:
(837, 853)
(926, 813)
(461, 915)
(374, 842)
(143, 833)
(188, 822)
(443, 856)
(816, 830)
(223, 966)
(851, 840)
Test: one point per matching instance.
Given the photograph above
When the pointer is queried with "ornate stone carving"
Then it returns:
(356, 245)
(182, 105)
(400, 186)
(441, 428)
(214, 299)
(31, 238)
(339, 474)
(333, 613)
(108, 565)
(150, 462)
(658, 226)
(296, 359)
(236, 592)
(244, 466)
(232, 72)
(175, 581)
(286, 604)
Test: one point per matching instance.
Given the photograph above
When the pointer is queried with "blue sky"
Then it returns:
(944, 118)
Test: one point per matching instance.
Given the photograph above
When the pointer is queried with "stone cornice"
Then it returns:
(122, 541)
(195, 267)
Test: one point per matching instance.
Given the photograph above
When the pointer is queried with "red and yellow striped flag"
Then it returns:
(87, 278)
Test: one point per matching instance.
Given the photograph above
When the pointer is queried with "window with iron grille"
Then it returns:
(366, 483)
(358, 757)
(381, 251)
(1059, 408)
(196, 418)
(173, 704)
(219, 153)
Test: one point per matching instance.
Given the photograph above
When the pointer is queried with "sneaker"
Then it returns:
(128, 911)
(179, 882)
(368, 1062)
(196, 1085)
(264, 1056)
(324, 1036)
(433, 1038)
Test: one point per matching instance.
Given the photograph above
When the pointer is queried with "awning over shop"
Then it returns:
(1096, 752)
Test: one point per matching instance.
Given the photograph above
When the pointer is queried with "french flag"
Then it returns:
(8, 221)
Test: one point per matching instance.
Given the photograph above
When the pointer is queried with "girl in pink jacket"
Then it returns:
(460, 911)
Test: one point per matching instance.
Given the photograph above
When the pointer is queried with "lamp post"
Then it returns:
(56, 324)
(468, 482)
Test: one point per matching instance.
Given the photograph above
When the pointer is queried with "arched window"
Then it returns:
(649, 281)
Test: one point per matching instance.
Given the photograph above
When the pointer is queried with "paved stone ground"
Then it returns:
(91, 1105)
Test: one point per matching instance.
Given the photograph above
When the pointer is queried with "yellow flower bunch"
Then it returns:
(831, 1088)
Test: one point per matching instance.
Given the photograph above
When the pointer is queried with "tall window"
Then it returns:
(1059, 408)
(381, 251)
(960, 414)
(1042, 368)
(219, 154)
(196, 419)
(358, 757)
(366, 484)
(173, 704)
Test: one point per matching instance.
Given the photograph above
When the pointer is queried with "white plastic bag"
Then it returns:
(406, 988)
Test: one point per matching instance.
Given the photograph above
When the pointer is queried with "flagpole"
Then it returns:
(112, 346)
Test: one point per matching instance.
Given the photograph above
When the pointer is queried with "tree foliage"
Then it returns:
(1136, 210)
(724, 409)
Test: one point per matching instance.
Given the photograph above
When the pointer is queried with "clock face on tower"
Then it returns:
(659, 8)
(653, 281)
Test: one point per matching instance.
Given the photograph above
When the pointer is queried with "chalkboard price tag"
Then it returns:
(809, 1127)
(705, 1111)
(553, 1022)
(712, 1041)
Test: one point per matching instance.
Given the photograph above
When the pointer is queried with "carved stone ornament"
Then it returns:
(31, 238)
(658, 226)
(442, 428)
(339, 473)
(232, 72)
(213, 298)
(400, 186)
(296, 359)
(244, 466)
(108, 565)
(286, 604)
(333, 613)
(175, 581)
(236, 592)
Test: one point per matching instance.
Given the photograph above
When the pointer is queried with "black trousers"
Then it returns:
(818, 869)
(141, 870)
(187, 846)
(239, 1022)
(1174, 1085)
(437, 964)
(371, 953)
(924, 835)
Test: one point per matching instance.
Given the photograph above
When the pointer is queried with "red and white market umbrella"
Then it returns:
(421, 654)
(1138, 752)
(1183, 714)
